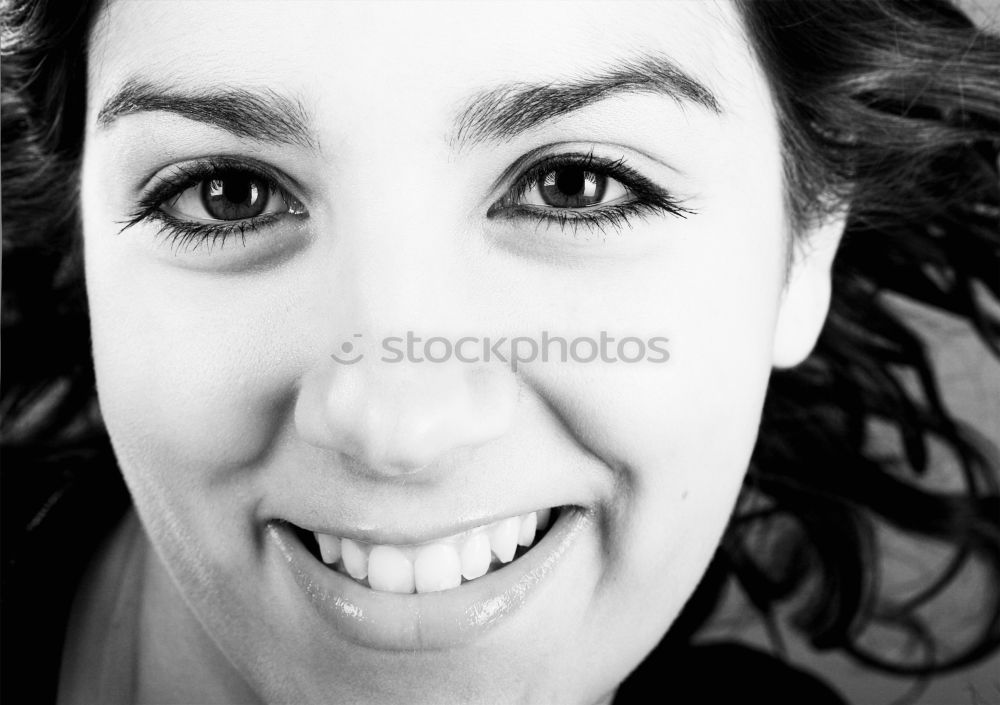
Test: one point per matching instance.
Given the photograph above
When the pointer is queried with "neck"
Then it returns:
(177, 662)
(132, 639)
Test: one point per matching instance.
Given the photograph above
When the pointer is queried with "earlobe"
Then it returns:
(806, 298)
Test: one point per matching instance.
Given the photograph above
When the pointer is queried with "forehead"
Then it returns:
(389, 63)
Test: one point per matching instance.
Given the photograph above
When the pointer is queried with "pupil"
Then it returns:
(569, 181)
(236, 189)
(569, 187)
(234, 195)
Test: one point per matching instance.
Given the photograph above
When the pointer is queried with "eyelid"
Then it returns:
(199, 168)
(634, 182)
(523, 162)
(184, 175)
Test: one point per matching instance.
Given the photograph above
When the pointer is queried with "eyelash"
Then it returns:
(648, 199)
(182, 233)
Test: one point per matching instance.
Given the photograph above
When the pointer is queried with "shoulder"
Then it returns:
(723, 672)
(54, 519)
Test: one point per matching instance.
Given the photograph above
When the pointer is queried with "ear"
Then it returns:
(806, 298)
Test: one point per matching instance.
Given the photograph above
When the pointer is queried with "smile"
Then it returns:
(437, 565)
(438, 593)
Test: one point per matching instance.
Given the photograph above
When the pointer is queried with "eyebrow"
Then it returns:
(497, 114)
(259, 114)
(503, 112)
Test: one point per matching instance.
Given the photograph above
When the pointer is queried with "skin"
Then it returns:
(226, 411)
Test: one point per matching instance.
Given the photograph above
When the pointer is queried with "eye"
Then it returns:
(228, 195)
(210, 200)
(571, 186)
(583, 190)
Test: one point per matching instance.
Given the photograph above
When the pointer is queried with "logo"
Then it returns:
(346, 348)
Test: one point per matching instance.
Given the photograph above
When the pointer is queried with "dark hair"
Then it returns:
(890, 108)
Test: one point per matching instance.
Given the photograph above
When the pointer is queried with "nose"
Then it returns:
(398, 417)
(387, 272)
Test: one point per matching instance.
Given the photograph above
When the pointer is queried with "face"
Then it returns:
(286, 197)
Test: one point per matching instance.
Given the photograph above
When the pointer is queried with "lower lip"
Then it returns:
(427, 621)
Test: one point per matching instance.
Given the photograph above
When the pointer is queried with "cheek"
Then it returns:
(189, 369)
(684, 425)
(173, 376)
(678, 434)
(195, 390)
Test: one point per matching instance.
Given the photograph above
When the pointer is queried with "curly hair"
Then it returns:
(889, 108)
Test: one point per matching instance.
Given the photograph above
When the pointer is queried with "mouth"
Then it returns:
(439, 593)
(432, 566)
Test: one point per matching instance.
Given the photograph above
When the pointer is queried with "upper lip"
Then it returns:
(404, 537)
(436, 620)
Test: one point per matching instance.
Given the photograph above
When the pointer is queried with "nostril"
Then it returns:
(398, 418)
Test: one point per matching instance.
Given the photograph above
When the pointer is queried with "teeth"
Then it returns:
(526, 534)
(437, 568)
(476, 556)
(434, 566)
(390, 570)
(355, 559)
(504, 539)
(329, 548)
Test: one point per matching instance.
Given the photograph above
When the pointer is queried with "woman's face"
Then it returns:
(309, 188)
